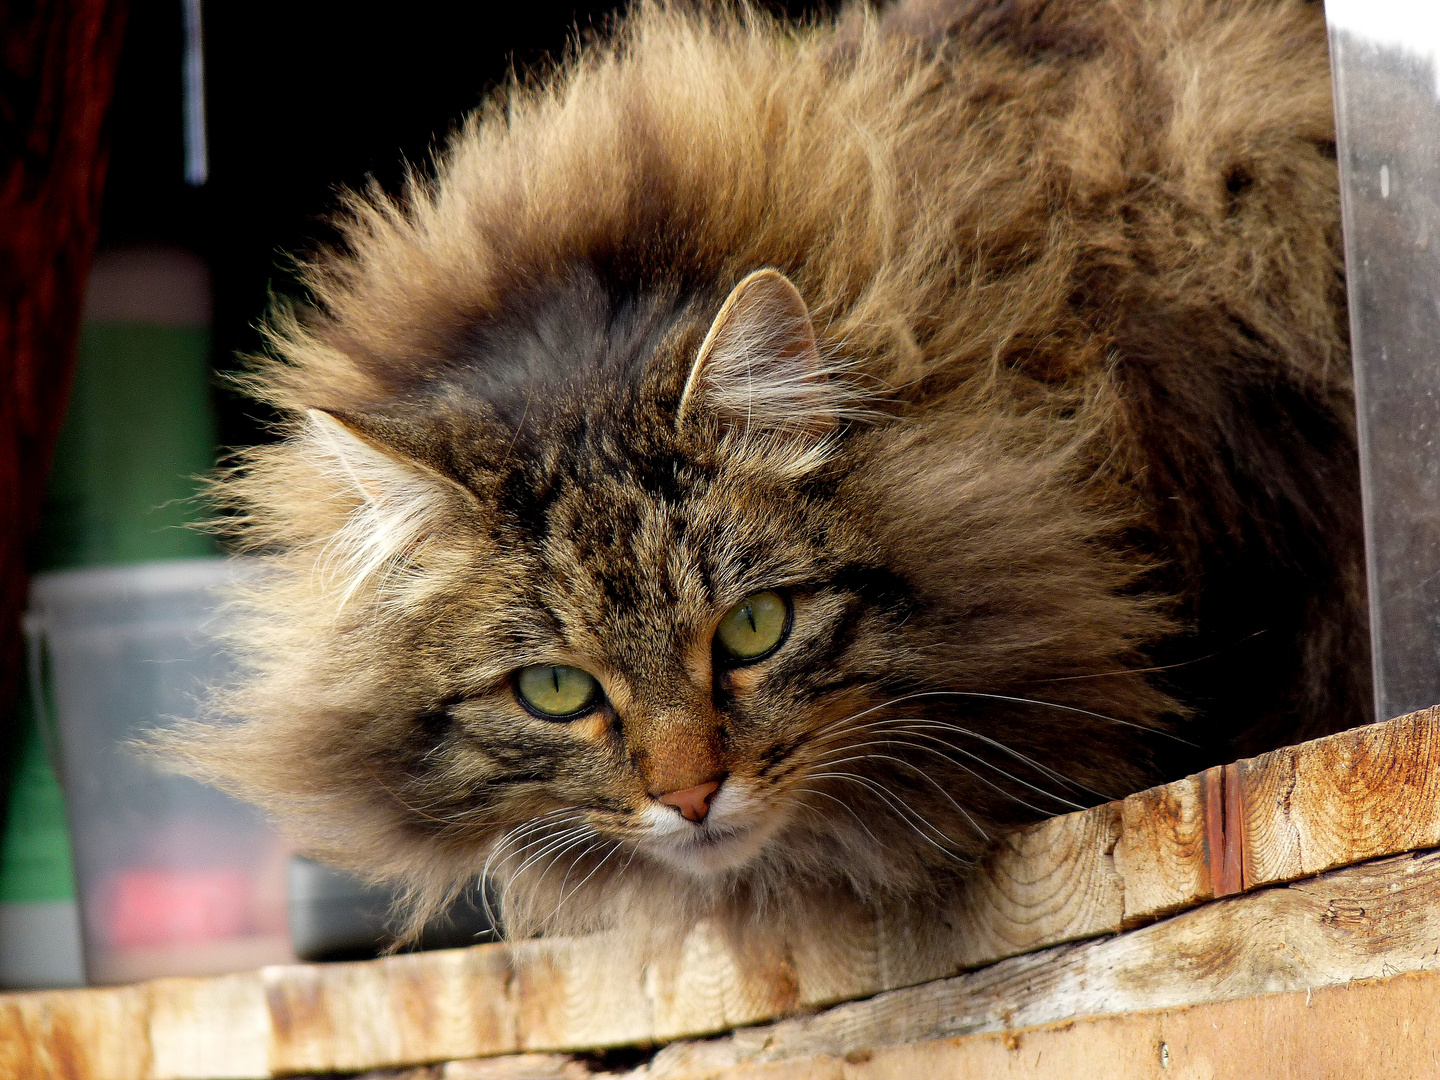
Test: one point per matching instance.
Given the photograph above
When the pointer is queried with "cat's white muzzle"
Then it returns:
(731, 834)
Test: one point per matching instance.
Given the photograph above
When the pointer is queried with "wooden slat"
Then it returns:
(1358, 795)
(1370, 921)
(1291, 813)
(208, 1029)
(1163, 856)
(1052, 883)
(1355, 796)
(77, 1034)
(1362, 1029)
(519, 1067)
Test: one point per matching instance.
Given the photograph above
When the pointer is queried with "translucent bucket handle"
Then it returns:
(36, 656)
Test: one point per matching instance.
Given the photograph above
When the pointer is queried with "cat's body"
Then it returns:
(1048, 447)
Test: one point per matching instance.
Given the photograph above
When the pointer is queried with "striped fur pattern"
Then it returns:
(1040, 422)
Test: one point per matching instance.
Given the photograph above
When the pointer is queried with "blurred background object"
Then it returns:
(174, 877)
(140, 429)
(39, 921)
(335, 917)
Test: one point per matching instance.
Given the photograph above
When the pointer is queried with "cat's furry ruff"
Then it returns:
(1075, 278)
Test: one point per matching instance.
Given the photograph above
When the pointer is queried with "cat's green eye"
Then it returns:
(555, 691)
(753, 628)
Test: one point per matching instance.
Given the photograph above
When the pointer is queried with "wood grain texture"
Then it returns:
(404, 1009)
(1292, 813)
(1163, 855)
(1050, 883)
(1361, 1029)
(1369, 921)
(1357, 795)
(207, 1029)
(77, 1034)
(1155, 855)
(519, 1067)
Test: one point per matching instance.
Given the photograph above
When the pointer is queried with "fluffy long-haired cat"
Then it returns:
(762, 463)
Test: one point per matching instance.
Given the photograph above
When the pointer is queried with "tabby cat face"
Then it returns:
(679, 747)
(649, 633)
(694, 611)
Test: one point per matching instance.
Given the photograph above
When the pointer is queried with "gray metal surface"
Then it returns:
(1386, 60)
(40, 946)
(334, 916)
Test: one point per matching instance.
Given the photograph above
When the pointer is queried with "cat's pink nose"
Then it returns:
(692, 802)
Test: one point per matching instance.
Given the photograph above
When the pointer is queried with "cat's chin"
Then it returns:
(708, 851)
(732, 835)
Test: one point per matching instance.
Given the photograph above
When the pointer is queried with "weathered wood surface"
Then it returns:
(1373, 922)
(1361, 1029)
(1360, 795)
(1366, 922)
(1284, 815)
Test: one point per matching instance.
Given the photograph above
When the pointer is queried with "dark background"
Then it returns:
(302, 98)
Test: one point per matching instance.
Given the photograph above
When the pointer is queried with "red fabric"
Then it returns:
(57, 63)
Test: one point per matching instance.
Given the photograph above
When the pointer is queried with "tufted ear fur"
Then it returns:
(398, 502)
(760, 368)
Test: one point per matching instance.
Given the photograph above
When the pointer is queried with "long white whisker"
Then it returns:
(585, 838)
(900, 809)
(1040, 767)
(634, 850)
(1013, 699)
(559, 847)
(1025, 759)
(614, 847)
(517, 834)
(905, 813)
(924, 776)
(548, 845)
(912, 728)
(946, 757)
(802, 790)
(941, 725)
(512, 836)
(595, 842)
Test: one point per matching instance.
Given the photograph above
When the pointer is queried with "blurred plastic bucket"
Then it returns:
(174, 878)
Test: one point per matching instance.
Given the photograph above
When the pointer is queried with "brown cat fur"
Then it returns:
(1071, 462)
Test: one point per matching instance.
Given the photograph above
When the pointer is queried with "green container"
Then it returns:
(35, 863)
(138, 436)
(39, 918)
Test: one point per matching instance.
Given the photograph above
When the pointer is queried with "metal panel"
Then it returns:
(1386, 58)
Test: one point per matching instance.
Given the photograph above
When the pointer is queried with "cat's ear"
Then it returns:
(760, 368)
(399, 501)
